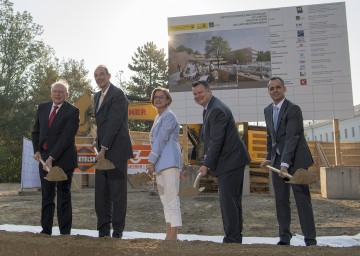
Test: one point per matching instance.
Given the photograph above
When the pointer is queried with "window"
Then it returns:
(327, 138)
(353, 131)
(345, 133)
(320, 137)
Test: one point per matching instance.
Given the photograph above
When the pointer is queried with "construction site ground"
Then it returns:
(201, 216)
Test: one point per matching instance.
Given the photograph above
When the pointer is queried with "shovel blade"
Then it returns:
(104, 164)
(56, 174)
(303, 177)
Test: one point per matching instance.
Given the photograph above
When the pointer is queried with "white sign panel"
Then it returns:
(238, 52)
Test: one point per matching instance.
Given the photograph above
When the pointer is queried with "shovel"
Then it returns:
(152, 192)
(54, 173)
(301, 176)
(197, 181)
(102, 163)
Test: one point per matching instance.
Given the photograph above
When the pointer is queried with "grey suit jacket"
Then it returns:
(289, 136)
(112, 125)
(223, 147)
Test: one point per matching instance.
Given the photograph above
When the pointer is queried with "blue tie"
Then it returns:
(276, 115)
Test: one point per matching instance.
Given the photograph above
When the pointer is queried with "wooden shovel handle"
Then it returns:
(278, 171)
(43, 163)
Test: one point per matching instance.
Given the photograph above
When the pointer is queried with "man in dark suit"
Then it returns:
(288, 151)
(113, 143)
(53, 138)
(225, 157)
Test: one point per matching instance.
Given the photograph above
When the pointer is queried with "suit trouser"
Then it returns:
(63, 202)
(283, 211)
(111, 199)
(230, 185)
(168, 184)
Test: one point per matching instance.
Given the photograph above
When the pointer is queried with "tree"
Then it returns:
(27, 68)
(75, 74)
(263, 56)
(151, 70)
(216, 47)
(20, 47)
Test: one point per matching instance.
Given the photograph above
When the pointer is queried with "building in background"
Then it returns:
(323, 130)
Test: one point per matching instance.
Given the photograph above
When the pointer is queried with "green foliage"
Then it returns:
(151, 70)
(216, 47)
(27, 69)
(140, 126)
(75, 74)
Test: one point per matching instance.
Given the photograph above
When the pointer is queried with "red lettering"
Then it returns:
(137, 111)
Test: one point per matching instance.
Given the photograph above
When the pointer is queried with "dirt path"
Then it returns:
(201, 215)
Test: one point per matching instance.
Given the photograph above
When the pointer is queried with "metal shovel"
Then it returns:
(55, 173)
(301, 176)
(197, 181)
(102, 163)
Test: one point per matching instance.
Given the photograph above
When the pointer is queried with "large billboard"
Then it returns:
(238, 52)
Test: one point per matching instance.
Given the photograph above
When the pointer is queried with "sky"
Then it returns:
(110, 31)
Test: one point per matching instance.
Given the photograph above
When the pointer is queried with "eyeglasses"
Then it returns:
(159, 97)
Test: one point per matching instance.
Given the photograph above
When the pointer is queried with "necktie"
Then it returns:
(52, 115)
(51, 119)
(276, 115)
(101, 100)
(204, 113)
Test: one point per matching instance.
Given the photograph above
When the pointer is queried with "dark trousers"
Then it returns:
(230, 186)
(283, 211)
(62, 190)
(111, 199)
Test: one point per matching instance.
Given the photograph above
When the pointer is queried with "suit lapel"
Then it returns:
(96, 101)
(108, 93)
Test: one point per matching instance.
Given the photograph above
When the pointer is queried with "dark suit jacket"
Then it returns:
(289, 137)
(112, 125)
(60, 136)
(223, 147)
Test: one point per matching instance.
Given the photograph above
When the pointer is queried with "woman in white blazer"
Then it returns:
(165, 159)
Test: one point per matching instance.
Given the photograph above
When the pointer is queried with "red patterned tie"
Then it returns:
(51, 119)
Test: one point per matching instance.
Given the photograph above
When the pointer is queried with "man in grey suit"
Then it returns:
(225, 157)
(113, 143)
(288, 151)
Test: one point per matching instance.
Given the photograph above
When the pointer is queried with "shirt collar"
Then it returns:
(106, 90)
(279, 104)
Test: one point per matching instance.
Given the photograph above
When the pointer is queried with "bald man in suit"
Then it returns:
(55, 143)
(288, 151)
(113, 143)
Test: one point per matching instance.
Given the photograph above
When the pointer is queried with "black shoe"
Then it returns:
(45, 233)
(310, 242)
(103, 234)
(116, 235)
(282, 243)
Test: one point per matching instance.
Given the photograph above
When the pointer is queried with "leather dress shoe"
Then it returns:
(116, 235)
(45, 232)
(103, 234)
(282, 243)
